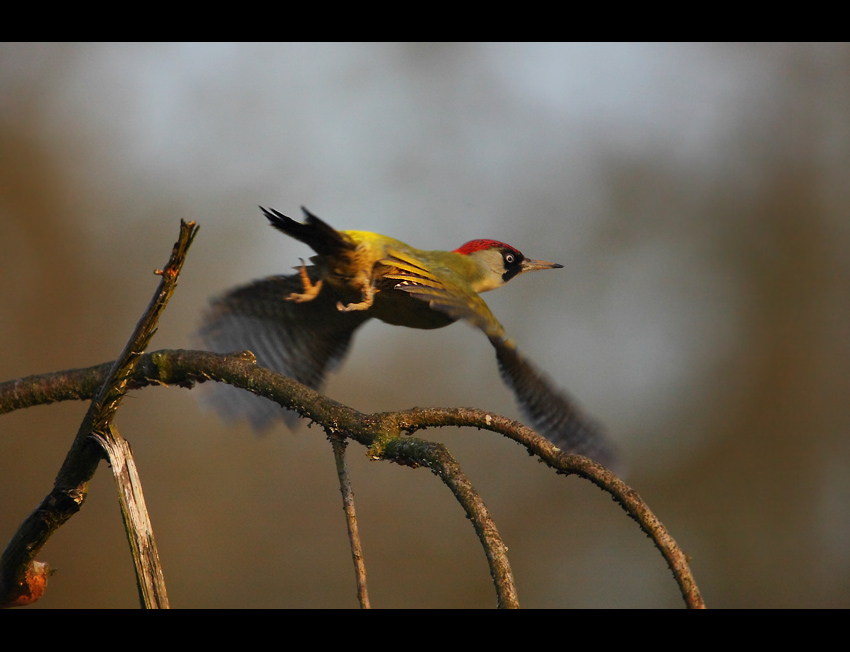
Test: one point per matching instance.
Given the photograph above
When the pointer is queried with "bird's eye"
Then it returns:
(509, 258)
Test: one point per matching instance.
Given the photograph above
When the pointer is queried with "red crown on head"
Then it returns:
(478, 245)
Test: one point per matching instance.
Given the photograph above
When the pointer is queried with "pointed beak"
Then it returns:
(529, 265)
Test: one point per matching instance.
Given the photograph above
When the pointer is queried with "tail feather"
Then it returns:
(318, 235)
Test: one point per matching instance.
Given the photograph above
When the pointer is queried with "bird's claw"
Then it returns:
(368, 300)
(311, 290)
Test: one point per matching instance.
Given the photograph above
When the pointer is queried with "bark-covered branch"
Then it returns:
(339, 445)
(23, 579)
(381, 433)
(95, 439)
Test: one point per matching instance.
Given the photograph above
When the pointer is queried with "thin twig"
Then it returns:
(149, 577)
(436, 457)
(339, 446)
(71, 485)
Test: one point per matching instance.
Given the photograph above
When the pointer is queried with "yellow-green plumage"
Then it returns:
(301, 325)
(452, 279)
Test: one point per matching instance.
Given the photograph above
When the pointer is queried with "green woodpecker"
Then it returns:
(301, 325)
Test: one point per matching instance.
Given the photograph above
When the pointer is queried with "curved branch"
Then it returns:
(565, 464)
(379, 432)
(436, 457)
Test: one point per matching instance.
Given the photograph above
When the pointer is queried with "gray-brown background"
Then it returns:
(696, 194)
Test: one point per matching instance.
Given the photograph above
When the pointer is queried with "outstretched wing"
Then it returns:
(300, 340)
(549, 410)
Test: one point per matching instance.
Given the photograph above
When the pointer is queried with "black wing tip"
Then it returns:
(550, 411)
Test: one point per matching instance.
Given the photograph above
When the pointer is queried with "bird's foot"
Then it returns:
(311, 290)
(368, 300)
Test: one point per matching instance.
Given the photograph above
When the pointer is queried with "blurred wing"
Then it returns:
(300, 340)
(550, 411)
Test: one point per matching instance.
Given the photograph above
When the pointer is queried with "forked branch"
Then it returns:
(96, 438)
(382, 433)
(22, 579)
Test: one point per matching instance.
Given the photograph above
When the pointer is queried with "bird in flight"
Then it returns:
(301, 325)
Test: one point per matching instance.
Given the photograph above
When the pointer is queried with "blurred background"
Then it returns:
(697, 196)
